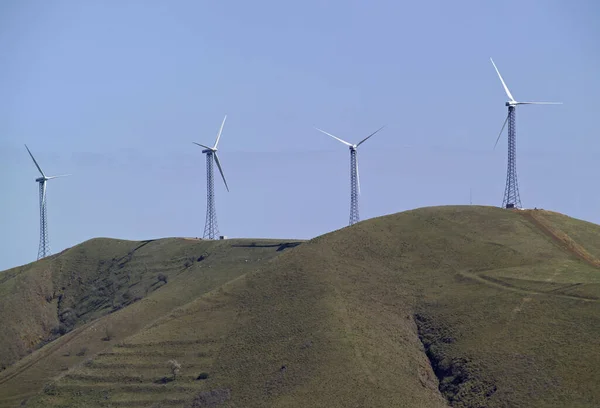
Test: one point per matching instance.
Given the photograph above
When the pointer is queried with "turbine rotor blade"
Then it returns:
(36, 163)
(501, 130)
(201, 145)
(372, 134)
(540, 103)
(335, 137)
(221, 170)
(220, 131)
(60, 175)
(503, 83)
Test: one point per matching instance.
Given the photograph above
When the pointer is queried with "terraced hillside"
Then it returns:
(108, 290)
(436, 307)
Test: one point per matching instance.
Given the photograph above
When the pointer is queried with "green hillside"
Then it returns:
(116, 279)
(446, 306)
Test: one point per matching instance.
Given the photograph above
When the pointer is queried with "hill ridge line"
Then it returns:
(441, 306)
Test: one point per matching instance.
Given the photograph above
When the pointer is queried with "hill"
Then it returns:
(55, 306)
(461, 306)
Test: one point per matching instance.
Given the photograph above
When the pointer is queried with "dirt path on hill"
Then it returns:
(507, 286)
(563, 240)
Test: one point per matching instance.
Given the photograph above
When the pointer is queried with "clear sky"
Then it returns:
(115, 92)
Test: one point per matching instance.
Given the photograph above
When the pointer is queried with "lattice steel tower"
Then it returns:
(44, 246)
(354, 187)
(512, 198)
(354, 177)
(211, 228)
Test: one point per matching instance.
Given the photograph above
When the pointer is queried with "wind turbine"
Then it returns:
(211, 228)
(512, 198)
(44, 248)
(354, 177)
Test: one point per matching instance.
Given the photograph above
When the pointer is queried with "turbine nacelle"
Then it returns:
(353, 148)
(511, 100)
(512, 103)
(208, 149)
(43, 178)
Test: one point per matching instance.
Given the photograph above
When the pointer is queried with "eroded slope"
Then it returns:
(90, 289)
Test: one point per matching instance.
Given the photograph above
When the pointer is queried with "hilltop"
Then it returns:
(461, 306)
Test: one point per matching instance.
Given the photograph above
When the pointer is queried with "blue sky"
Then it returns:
(115, 92)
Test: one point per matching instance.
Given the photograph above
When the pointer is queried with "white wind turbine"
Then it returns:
(512, 199)
(211, 228)
(354, 177)
(44, 247)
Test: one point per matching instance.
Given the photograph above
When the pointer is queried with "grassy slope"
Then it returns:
(508, 315)
(29, 295)
(93, 278)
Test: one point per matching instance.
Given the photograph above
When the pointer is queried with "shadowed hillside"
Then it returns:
(130, 283)
(461, 306)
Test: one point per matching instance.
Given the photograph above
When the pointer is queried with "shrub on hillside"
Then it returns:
(202, 376)
(50, 389)
(55, 331)
(63, 329)
(175, 367)
(68, 317)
